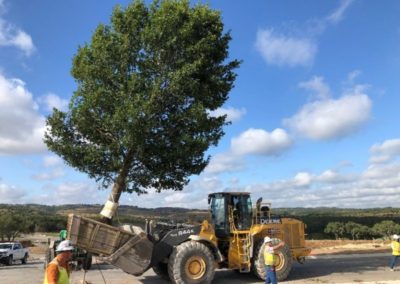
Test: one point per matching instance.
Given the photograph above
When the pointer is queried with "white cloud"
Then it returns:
(233, 114)
(332, 118)
(53, 167)
(52, 161)
(302, 179)
(317, 85)
(278, 49)
(53, 101)
(337, 15)
(389, 147)
(11, 194)
(13, 36)
(331, 189)
(21, 126)
(385, 152)
(261, 142)
(352, 76)
(71, 193)
(193, 196)
(382, 171)
(287, 49)
(227, 162)
(53, 174)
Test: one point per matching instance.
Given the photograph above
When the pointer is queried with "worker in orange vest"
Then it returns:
(58, 270)
(270, 259)
(395, 251)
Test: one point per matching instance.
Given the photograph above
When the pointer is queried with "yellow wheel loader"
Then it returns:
(189, 254)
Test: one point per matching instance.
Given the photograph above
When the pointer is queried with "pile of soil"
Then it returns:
(320, 247)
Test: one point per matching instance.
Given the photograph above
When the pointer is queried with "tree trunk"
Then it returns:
(117, 189)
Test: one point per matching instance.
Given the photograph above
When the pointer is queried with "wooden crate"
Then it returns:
(129, 251)
(94, 236)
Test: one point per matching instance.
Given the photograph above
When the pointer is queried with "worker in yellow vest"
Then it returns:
(395, 251)
(270, 259)
(58, 270)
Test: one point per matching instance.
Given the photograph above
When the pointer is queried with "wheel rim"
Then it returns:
(280, 261)
(195, 267)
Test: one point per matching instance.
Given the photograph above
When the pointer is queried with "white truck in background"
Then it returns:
(9, 252)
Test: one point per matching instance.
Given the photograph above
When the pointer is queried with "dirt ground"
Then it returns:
(321, 247)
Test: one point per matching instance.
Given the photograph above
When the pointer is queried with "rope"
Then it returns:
(98, 267)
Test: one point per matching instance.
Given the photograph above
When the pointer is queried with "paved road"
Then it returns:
(369, 269)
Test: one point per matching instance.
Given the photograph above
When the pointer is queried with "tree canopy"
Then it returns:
(146, 83)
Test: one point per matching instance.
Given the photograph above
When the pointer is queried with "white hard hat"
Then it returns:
(65, 246)
(396, 237)
(267, 240)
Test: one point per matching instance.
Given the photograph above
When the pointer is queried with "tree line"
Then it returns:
(18, 220)
(358, 231)
(321, 223)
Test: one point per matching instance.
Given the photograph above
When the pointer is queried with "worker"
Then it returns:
(58, 270)
(63, 235)
(270, 259)
(395, 251)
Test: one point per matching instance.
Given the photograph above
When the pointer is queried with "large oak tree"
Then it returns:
(146, 83)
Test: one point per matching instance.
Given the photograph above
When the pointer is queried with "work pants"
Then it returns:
(270, 275)
(393, 262)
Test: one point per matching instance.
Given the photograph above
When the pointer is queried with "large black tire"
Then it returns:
(161, 269)
(87, 262)
(191, 263)
(284, 263)
(25, 259)
(9, 260)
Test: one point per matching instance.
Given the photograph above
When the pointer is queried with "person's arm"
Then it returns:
(278, 246)
(52, 273)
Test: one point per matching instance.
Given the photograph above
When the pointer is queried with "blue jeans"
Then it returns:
(270, 275)
(393, 262)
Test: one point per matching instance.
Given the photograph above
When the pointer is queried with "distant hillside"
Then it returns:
(53, 218)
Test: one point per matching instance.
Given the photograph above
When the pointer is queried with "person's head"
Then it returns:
(396, 237)
(65, 249)
(268, 241)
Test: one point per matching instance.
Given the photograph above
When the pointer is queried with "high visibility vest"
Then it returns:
(395, 248)
(63, 277)
(269, 256)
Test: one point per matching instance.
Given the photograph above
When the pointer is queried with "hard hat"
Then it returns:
(65, 246)
(396, 237)
(267, 240)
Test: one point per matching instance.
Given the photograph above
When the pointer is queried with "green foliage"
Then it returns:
(335, 228)
(146, 84)
(316, 219)
(386, 228)
(361, 232)
(12, 223)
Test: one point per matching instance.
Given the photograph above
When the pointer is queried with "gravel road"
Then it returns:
(363, 268)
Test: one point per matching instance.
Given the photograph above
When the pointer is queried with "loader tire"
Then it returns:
(191, 263)
(161, 269)
(87, 262)
(284, 263)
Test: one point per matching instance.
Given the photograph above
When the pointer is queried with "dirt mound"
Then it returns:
(347, 246)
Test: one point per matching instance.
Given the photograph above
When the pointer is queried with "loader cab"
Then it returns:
(222, 204)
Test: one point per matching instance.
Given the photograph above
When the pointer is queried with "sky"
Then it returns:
(314, 111)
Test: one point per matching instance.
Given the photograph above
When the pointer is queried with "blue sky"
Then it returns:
(314, 110)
